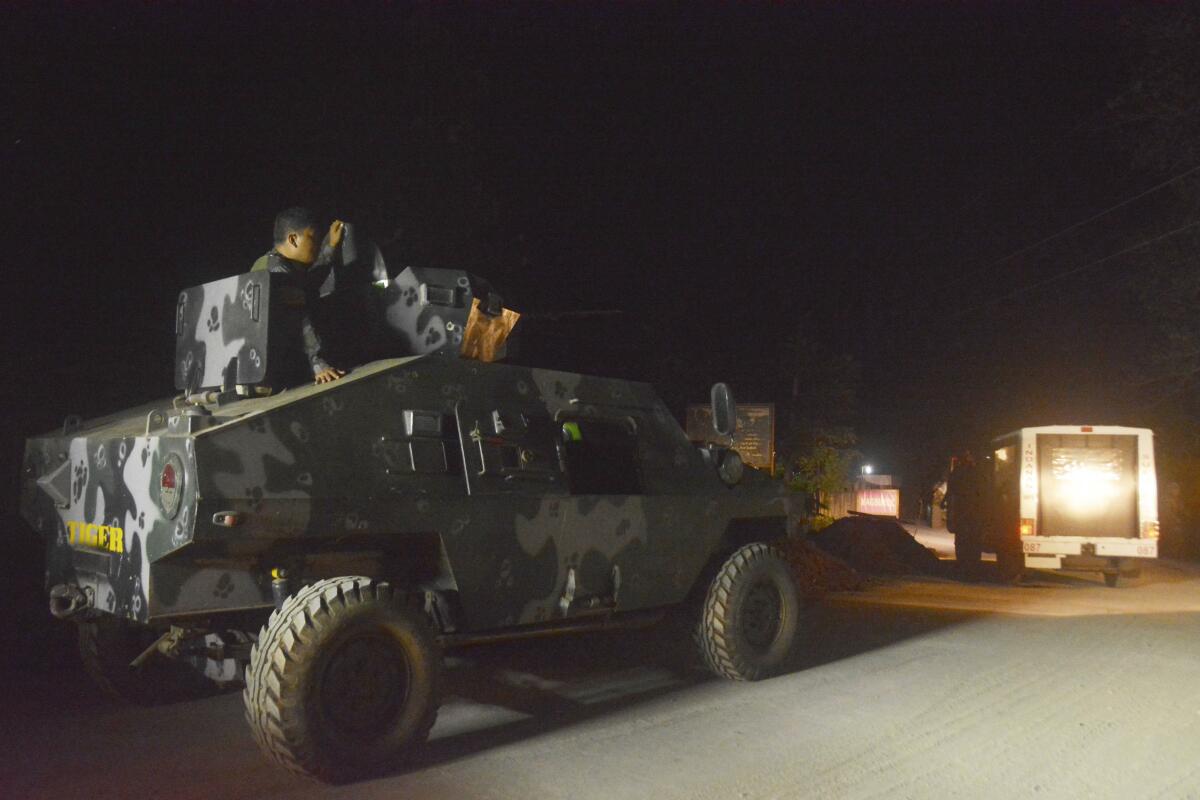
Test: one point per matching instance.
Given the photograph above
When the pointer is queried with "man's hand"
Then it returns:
(335, 236)
(328, 375)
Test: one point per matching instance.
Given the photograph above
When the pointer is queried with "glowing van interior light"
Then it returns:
(1089, 490)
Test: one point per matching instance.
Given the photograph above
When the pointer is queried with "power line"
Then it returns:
(1064, 231)
(1041, 146)
(1116, 281)
(1053, 278)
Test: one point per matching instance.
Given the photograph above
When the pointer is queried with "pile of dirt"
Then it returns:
(817, 573)
(877, 546)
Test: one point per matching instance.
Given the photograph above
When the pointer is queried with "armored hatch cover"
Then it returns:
(245, 329)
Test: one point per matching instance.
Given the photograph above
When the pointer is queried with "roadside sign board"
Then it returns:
(754, 438)
(882, 502)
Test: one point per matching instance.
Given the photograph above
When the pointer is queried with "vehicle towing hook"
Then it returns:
(67, 600)
(167, 645)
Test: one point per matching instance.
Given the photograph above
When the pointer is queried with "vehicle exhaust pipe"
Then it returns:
(67, 600)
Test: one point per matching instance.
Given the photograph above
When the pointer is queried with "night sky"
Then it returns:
(724, 177)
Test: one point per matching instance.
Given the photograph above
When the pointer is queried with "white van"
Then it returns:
(1075, 497)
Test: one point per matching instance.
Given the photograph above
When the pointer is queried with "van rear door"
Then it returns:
(1088, 485)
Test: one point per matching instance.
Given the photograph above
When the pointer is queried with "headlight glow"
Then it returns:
(1088, 490)
(1089, 478)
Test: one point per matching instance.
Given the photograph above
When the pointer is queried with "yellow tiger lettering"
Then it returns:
(100, 537)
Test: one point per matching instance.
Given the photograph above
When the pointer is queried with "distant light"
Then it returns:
(867, 469)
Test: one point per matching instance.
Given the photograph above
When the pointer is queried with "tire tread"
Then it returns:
(273, 696)
(715, 633)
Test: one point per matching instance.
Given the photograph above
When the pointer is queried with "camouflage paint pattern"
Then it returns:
(112, 467)
(246, 317)
(427, 309)
(224, 320)
(400, 453)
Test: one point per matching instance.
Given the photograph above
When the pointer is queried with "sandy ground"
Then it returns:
(1058, 687)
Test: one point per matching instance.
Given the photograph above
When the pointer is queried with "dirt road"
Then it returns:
(1058, 687)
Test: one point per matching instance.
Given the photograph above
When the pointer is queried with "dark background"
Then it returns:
(830, 206)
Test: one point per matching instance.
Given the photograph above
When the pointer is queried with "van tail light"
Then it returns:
(1150, 530)
(1027, 527)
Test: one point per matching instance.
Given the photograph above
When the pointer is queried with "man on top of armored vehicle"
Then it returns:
(297, 254)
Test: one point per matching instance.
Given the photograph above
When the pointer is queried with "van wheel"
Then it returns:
(1010, 562)
(343, 679)
(1111, 578)
(967, 549)
(750, 615)
(108, 645)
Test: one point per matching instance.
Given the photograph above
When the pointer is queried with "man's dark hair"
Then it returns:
(293, 220)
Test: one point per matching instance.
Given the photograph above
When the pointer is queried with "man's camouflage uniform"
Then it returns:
(305, 292)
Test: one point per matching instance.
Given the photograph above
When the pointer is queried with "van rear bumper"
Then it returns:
(1104, 547)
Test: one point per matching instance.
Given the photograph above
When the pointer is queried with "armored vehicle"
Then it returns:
(323, 543)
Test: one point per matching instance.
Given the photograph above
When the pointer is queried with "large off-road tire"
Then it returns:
(343, 679)
(108, 645)
(751, 615)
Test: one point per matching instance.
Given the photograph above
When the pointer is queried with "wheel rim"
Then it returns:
(365, 686)
(762, 615)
